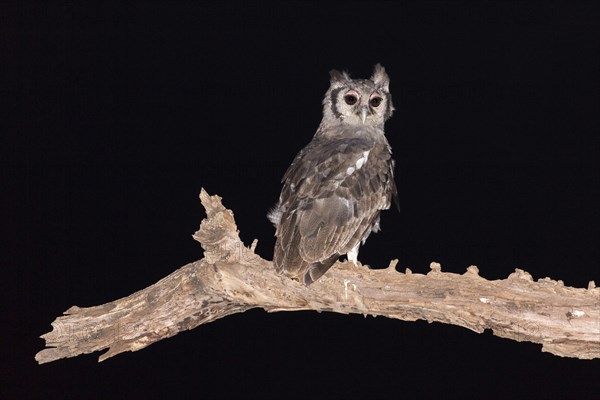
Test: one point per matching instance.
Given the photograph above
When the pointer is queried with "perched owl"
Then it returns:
(337, 185)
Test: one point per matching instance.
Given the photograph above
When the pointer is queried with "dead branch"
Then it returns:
(231, 278)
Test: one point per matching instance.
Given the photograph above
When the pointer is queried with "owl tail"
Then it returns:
(289, 262)
(316, 270)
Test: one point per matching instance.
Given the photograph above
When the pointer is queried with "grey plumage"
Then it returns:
(337, 185)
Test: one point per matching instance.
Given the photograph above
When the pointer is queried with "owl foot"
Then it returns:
(353, 255)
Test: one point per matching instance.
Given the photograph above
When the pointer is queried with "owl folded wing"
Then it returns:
(330, 201)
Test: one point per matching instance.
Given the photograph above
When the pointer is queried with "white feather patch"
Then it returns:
(274, 215)
(361, 161)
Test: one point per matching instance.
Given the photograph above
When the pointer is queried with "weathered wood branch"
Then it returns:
(231, 278)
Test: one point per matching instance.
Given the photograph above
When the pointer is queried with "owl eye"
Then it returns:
(350, 99)
(375, 101)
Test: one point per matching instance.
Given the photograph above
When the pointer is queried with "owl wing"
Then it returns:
(331, 199)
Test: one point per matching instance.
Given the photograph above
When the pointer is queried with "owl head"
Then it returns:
(358, 101)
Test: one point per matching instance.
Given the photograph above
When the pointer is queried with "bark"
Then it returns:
(231, 278)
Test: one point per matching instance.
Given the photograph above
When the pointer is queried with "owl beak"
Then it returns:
(363, 113)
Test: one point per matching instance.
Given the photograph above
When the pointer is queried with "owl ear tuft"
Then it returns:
(337, 76)
(380, 77)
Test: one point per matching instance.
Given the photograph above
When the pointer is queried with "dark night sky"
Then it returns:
(117, 115)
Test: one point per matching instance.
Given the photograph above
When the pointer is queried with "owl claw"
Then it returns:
(353, 255)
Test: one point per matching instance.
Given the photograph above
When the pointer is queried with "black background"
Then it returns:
(116, 115)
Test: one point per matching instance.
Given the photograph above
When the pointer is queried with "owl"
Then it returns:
(338, 184)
